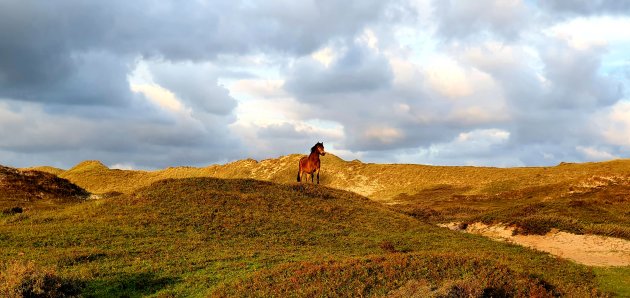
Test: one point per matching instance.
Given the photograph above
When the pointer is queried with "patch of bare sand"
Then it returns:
(363, 185)
(591, 250)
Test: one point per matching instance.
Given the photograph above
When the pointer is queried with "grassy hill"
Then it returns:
(29, 188)
(47, 169)
(217, 237)
(579, 198)
(381, 182)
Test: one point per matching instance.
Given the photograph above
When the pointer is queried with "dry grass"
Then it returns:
(301, 223)
(28, 280)
(398, 275)
(30, 188)
(381, 182)
(47, 169)
(203, 236)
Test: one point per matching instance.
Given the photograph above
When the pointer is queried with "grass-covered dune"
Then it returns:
(578, 198)
(215, 237)
(27, 188)
(381, 182)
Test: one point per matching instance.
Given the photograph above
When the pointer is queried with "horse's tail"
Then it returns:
(298, 177)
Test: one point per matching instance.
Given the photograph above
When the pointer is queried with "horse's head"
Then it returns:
(319, 148)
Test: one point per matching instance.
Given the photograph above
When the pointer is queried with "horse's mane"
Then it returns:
(315, 147)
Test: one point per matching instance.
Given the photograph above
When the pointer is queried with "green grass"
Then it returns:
(382, 275)
(579, 198)
(197, 235)
(534, 210)
(614, 280)
(205, 236)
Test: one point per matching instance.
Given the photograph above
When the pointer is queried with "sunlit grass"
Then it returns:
(200, 235)
(614, 280)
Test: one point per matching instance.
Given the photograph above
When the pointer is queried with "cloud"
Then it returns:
(614, 124)
(287, 137)
(357, 69)
(147, 83)
(196, 85)
(586, 7)
(595, 154)
(464, 20)
(574, 78)
(148, 142)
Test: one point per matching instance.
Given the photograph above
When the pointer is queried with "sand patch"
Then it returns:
(591, 250)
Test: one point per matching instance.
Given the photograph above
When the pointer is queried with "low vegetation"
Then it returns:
(217, 237)
(593, 205)
(27, 280)
(396, 275)
(578, 198)
(20, 189)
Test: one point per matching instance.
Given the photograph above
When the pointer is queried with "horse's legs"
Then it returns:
(318, 176)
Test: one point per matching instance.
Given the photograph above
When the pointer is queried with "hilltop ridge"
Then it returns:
(577, 197)
(89, 165)
(381, 182)
(27, 187)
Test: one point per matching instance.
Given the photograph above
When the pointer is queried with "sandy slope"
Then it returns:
(591, 250)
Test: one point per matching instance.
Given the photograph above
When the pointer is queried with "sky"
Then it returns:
(150, 84)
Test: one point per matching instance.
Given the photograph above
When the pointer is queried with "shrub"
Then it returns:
(611, 230)
(387, 247)
(14, 210)
(423, 213)
(397, 275)
(542, 224)
(27, 280)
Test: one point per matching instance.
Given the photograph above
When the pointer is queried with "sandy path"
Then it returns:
(591, 250)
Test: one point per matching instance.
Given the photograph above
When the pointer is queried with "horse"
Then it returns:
(310, 164)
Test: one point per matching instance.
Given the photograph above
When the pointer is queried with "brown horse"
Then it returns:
(310, 164)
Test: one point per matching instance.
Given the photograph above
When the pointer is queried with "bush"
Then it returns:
(14, 210)
(424, 213)
(27, 280)
(397, 275)
(542, 224)
(387, 247)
